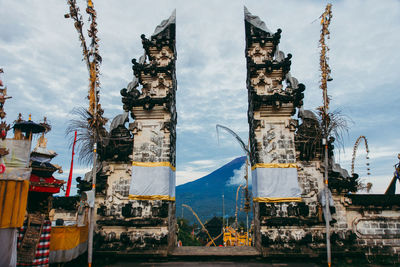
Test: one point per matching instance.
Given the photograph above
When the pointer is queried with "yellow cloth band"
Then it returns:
(67, 237)
(13, 200)
(276, 199)
(153, 164)
(273, 165)
(153, 197)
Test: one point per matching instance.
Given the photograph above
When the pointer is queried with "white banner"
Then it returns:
(154, 181)
(275, 183)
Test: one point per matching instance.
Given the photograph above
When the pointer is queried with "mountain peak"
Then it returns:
(204, 195)
(222, 174)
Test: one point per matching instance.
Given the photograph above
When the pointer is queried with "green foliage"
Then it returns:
(242, 225)
(214, 226)
(185, 233)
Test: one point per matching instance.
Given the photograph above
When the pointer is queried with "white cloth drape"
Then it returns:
(8, 247)
(275, 182)
(18, 153)
(151, 181)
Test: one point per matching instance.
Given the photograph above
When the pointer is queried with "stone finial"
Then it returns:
(165, 23)
(255, 20)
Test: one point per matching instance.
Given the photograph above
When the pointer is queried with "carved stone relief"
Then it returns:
(266, 85)
(121, 186)
(277, 144)
(262, 84)
(151, 144)
(260, 54)
(163, 57)
(156, 85)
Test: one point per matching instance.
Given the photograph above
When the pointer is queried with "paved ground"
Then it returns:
(213, 264)
(207, 257)
(200, 256)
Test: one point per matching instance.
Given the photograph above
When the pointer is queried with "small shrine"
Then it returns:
(33, 236)
(42, 180)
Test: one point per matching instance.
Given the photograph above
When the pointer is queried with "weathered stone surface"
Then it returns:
(121, 239)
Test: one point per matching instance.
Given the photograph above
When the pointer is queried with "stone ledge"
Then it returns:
(376, 200)
(134, 222)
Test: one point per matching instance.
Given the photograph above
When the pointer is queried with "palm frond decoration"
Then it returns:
(82, 123)
(337, 125)
(310, 133)
(237, 137)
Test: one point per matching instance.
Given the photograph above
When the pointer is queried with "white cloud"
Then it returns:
(238, 177)
(41, 57)
(204, 162)
(183, 177)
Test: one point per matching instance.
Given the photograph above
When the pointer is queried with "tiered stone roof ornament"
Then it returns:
(267, 69)
(154, 72)
(154, 89)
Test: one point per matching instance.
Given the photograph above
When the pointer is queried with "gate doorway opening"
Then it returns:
(215, 210)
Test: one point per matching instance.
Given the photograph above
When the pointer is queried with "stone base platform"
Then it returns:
(215, 251)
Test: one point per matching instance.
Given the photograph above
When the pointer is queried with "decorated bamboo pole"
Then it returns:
(202, 225)
(246, 207)
(236, 209)
(93, 60)
(92, 209)
(325, 76)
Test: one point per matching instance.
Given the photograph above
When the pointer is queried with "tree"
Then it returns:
(185, 233)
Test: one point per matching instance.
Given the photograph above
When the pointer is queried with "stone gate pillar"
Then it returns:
(150, 98)
(271, 127)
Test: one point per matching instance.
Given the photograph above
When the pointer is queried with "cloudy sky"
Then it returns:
(45, 74)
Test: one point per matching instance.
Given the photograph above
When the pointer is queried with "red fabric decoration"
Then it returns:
(2, 168)
(72, 167)
(47, 185)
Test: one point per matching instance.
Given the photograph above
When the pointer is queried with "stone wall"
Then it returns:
(375, 220)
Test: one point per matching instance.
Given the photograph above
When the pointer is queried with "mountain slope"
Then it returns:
(204, 195)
